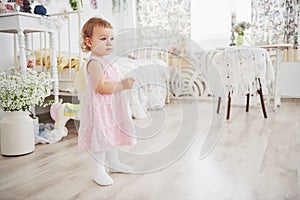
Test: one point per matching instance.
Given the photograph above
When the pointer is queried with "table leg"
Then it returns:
(21, 41)
(247, 103)
(228, 106)
(53, 65)
(218, 105)
(27, 45)
(262, 99)
(167, 92)
(277, 100)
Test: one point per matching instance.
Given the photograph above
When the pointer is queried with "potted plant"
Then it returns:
(18, 93)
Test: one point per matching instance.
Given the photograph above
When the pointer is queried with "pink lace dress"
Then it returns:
(105, 122)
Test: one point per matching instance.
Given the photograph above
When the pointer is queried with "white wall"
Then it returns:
(289, 80)
(211, 20)
(6, 51)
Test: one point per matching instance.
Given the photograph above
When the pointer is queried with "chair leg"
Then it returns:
(247, 103)
(262, 99)
(228, 106)
(218, 105)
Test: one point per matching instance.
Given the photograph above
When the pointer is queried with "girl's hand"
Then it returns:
(128, 83)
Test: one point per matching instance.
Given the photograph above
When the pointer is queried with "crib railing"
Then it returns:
(69, 39)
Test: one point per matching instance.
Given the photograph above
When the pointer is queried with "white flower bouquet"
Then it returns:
(21, 91)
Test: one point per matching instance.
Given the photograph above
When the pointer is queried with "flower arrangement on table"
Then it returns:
(22, 91)
(240, 29)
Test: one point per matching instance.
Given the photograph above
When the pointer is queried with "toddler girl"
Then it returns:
(105, 121)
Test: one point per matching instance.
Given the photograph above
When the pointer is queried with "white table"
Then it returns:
(244, 71)
(21, 24)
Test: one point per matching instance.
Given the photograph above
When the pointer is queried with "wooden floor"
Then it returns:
(255, 158)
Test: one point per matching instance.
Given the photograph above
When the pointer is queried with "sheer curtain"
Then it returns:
(275, 21)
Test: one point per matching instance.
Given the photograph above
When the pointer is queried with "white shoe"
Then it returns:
(103, 179)
(115, 165)
(120, 168)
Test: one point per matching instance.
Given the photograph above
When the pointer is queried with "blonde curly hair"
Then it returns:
(88, 28)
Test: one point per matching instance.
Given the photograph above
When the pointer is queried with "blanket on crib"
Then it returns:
(150, 88)
(64, 60)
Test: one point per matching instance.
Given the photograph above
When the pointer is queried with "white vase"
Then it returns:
(17, 133)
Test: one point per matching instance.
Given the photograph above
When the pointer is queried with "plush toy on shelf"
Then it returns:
(23, 6)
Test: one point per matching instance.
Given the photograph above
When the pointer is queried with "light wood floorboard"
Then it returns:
(255, 159)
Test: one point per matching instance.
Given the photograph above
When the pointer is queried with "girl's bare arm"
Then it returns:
(96, 72)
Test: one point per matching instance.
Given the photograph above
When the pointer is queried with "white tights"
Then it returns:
(101, 177)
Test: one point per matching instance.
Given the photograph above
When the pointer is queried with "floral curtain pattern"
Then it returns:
(174, 15)
(275, 21)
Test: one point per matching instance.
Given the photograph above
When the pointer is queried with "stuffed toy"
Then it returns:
(23, 6)
(40, 10)
(61, 113)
